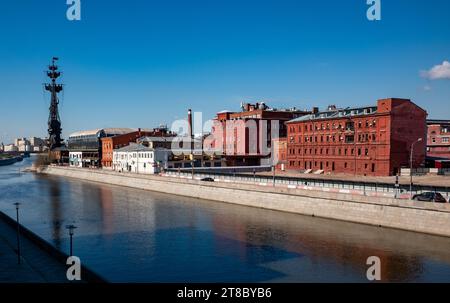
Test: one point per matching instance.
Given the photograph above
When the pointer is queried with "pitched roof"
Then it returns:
(134, 147)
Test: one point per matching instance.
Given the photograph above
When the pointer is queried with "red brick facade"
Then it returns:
(438, 140)
(245, 138)
(373, 141)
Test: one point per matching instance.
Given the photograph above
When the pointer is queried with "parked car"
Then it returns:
(430, 197)
(207, 179)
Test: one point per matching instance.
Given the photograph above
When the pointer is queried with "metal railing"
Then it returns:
(380, 187)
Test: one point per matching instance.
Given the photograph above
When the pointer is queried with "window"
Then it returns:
(433, 140)
(366, 152)
(445, 140)
(350, 139)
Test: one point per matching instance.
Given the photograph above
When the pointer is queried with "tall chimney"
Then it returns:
(191, 132)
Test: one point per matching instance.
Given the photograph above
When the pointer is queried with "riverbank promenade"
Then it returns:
(37, 266)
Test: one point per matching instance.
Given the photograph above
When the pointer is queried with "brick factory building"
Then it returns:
(280, 153)
(372, 141)
(245, 138)
(109, 144)
(438, 139)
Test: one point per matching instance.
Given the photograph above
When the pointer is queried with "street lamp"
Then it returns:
(273, 176)
(71, 228)
(411, 166)
(17, 204)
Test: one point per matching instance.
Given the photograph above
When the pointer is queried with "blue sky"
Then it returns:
(139, 63)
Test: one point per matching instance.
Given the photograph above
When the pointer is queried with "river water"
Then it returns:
(129, 235)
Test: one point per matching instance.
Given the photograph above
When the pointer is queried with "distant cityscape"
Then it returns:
(32, 144)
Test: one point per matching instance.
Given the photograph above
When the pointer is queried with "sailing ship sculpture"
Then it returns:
(54, 121)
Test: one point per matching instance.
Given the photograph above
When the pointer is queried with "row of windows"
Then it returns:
(329, 151)
(444, 140)
(328, 126)
(333, 138)
(133, 155)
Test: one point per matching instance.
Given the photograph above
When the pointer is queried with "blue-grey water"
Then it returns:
(129, 235)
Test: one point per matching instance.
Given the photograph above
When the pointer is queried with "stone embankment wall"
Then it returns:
(415, 216)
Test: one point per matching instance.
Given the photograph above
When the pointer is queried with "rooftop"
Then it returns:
(337, 113)
(155, 139)
(134, 147)
(433, 121)
(107, 131)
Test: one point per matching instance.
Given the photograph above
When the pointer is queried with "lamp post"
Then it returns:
(71, 228)
(273, 176)
(411, 166)
(17, 204)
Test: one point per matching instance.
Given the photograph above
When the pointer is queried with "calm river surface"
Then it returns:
(129, 235)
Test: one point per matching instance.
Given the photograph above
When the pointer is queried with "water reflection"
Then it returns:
(139, 236)
(55, 213)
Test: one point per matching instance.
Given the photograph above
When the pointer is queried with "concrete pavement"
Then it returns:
(37, 266)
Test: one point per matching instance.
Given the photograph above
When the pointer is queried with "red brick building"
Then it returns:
(438, 139)
(111, 143)
(373, 141)
(245, 138)
(280, 153)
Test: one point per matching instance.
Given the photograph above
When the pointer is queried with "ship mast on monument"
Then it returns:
(54, 122)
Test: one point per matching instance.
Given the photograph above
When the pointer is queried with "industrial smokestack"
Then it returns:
(191, 131)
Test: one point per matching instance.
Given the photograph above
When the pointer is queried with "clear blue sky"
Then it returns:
(139, 63)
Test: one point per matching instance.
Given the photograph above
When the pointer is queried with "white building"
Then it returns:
(11, 148)
(76, 159)
(137, 158)
(25, 148)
